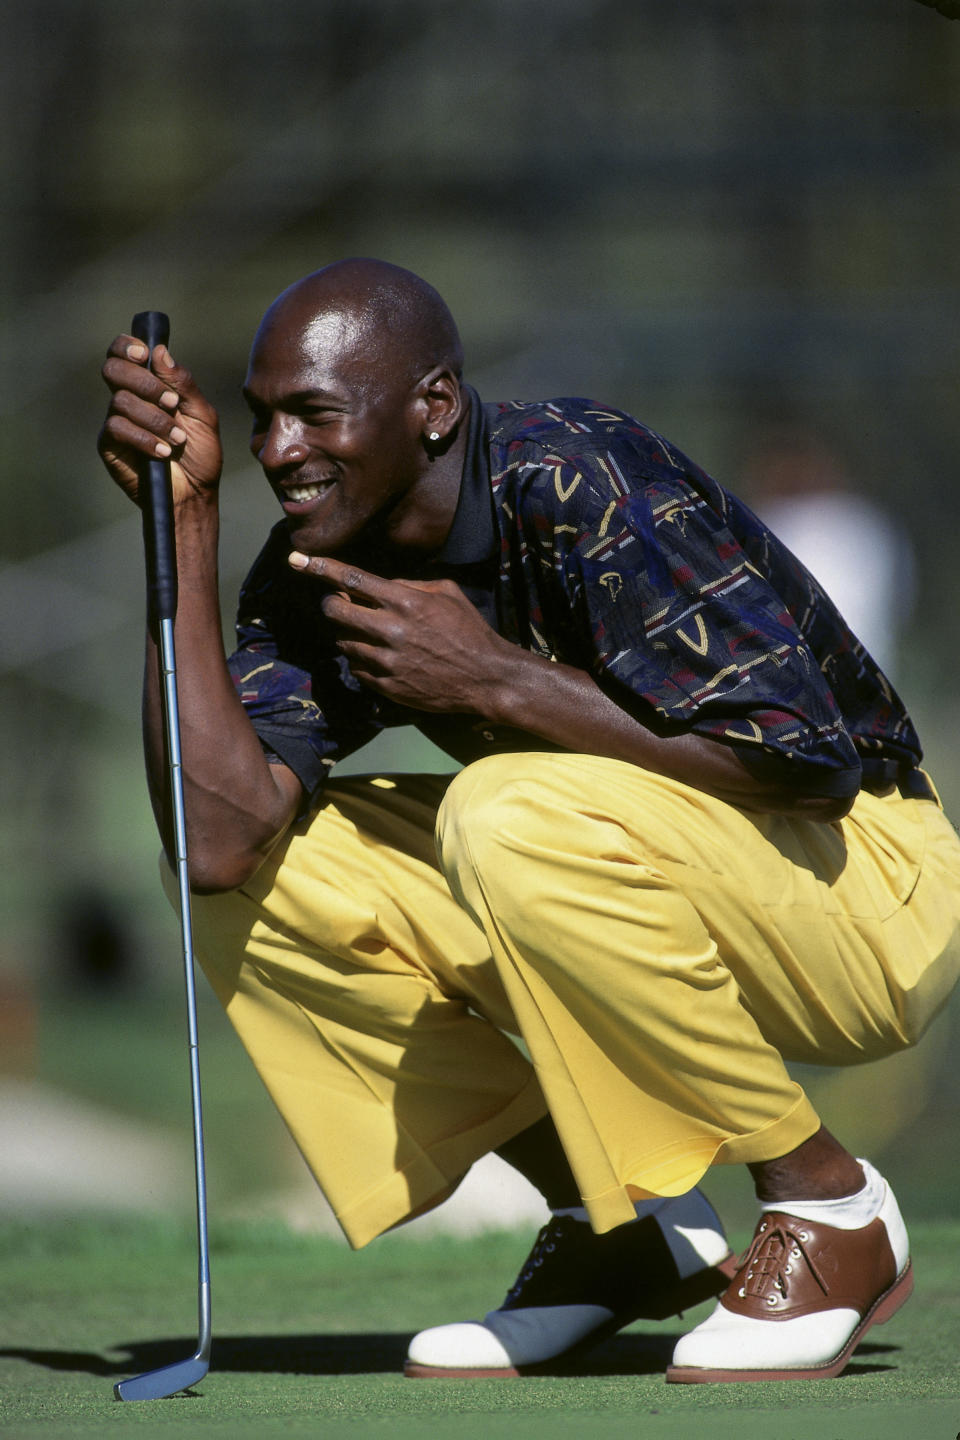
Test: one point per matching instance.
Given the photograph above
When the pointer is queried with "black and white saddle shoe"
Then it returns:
(576, 1288)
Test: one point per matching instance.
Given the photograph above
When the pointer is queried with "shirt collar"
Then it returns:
(472, 537)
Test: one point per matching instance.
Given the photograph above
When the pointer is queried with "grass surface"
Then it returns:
(310, 1338)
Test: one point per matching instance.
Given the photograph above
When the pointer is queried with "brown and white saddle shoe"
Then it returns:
(802, 1299)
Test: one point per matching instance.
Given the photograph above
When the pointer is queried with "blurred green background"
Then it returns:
(735, 218)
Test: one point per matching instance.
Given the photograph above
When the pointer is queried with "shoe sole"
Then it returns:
(704, 1285)
(882, 1310)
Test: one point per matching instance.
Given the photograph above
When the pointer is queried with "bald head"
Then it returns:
(380, 315)
(354, 386)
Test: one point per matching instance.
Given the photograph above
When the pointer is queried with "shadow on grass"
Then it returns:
(369, 1353)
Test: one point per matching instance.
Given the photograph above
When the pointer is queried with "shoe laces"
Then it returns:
(773, 1259)
(552, 1234)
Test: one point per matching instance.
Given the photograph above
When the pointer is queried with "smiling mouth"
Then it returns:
(303, 494)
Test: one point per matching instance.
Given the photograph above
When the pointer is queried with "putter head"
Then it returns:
(168, 1380)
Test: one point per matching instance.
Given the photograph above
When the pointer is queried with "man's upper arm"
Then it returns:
(289, 789)
(688, 635)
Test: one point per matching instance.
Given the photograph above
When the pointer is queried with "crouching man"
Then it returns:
(691, 840)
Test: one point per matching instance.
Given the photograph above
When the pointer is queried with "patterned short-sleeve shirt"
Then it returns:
(583, 536)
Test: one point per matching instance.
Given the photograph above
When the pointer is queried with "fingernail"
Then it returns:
(170, 398)
(162, 354)
(163, 449)
(298, 561)
(177, 435)
(136, 352)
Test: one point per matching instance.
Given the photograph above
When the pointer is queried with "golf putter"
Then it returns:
(153, 328)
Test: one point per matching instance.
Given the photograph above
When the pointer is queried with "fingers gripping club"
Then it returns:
(153, 328)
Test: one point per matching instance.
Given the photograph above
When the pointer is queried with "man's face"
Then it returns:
(335, 429)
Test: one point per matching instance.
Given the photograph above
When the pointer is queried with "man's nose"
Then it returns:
(283, 447)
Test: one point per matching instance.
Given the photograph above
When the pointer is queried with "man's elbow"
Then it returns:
(225, 853)
(215, 872)
(828, 808)
(845, 787)
(823, 797)
(219, 879)
(824, 809)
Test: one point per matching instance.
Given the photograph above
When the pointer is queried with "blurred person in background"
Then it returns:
(692, 839)
(855, 548)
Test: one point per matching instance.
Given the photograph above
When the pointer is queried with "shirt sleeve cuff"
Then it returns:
(816, 778)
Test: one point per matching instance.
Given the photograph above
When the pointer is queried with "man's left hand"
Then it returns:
(420, 643)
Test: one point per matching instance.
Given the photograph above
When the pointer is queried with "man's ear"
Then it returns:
(442, 397)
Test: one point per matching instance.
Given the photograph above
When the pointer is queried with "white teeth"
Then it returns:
(300, 493)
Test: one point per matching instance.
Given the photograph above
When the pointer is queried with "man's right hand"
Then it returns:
(157, 414)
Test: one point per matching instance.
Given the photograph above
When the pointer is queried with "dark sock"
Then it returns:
(537, 1153)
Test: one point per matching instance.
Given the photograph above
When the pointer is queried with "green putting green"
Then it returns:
(310, 1337)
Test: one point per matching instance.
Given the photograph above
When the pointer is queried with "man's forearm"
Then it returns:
(424, 645)
(236, 803)
(567, 707)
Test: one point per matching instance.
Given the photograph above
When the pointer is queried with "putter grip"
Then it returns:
(159, 538)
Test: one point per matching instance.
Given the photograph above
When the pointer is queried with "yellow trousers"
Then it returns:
(660, 953)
